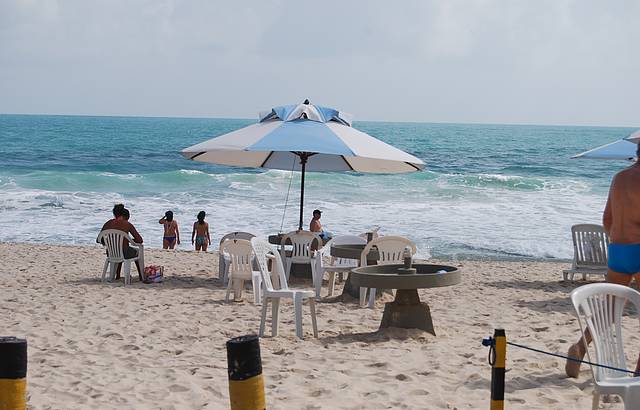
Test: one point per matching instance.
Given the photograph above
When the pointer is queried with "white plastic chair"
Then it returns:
(264, 252)
(224, 260)
(600, 305)
(332, 265)
(301, 253)
(391, 249)
(589, 251)
(113, 241)
(240, 255)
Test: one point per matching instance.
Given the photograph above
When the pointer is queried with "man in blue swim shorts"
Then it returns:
(621, 221)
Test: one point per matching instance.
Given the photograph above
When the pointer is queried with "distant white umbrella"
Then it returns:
(625, 148)
(304, 137)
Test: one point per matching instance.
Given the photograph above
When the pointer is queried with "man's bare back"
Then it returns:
(124, 226)
(621, 221)
(621, 217)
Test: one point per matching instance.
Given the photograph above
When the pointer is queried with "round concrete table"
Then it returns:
(354, 252)
(406, 311)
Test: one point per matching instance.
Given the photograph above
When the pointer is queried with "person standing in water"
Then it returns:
(201, 233)
(171, 231)
(621, 221)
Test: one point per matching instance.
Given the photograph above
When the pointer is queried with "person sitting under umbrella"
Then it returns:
(316, 226)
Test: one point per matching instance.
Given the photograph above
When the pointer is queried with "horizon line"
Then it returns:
(365, 120)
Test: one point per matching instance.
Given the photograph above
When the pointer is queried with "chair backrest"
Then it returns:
(302, 242)
(241, 254)
(113, 240)
(264, 252)
(600, 305)
(390, 249)
(237, 235)
(589, 246)
(325, 252)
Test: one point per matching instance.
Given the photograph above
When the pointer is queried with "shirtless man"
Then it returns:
(315, 225)
(120, 223)
(621, 221)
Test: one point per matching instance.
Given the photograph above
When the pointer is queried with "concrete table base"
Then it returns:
(406, 311)
(354, 291)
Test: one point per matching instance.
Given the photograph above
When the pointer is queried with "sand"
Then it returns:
(162, 346)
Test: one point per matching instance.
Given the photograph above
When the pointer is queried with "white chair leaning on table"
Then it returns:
(224, 260)
(240, 255)
(301, 253)
(601, 305)
(333, 265)
(113, 241)
(590, 253)
(265, 252)
(391, 249)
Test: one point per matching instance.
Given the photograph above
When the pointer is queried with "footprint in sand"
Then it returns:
(402, 377)
(176, 388)
(319, 392)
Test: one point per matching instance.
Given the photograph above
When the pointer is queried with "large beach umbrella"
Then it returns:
(304, 137)
(621, 149)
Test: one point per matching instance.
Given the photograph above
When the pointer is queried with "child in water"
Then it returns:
(201, 233)
(171, 232)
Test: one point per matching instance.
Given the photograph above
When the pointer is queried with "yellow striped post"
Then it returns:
(13, 373)
(498, 368)
(246, 385)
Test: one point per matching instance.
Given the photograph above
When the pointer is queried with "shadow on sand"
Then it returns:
(379, 336)
(169, 282)
(521, 284)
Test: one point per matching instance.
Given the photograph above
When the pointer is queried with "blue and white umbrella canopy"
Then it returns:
(304, 137)
(622, 149)
(324, 134)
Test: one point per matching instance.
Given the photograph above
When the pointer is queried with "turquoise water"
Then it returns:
(490, 191)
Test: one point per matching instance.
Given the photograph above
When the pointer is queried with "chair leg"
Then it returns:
(256, 282)
(220, 266)
(596, 400)
(229, 284)
(275, 310)
(112, 274)
(314, 323)
(363, 296)
(288, 272)
(316, 276)
(225, 273)
(631, 397)
(564, 276)
(263, 316)
(297, 302)
(332, 283)
(127, 272)
(372, 298)
(104, 270)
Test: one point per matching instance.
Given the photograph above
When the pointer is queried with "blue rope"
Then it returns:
(491, 342)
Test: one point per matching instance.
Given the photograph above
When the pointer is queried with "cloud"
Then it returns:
(549, 61)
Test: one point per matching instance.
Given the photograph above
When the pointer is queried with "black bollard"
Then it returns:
(246, 384)
(13, 373)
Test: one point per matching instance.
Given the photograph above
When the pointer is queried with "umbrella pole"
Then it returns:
(303, 162)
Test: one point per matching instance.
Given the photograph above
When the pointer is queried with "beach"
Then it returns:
(104, 345)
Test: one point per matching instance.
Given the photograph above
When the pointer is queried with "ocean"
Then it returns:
(487, 192)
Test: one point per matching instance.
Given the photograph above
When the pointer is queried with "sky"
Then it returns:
(572, 62)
